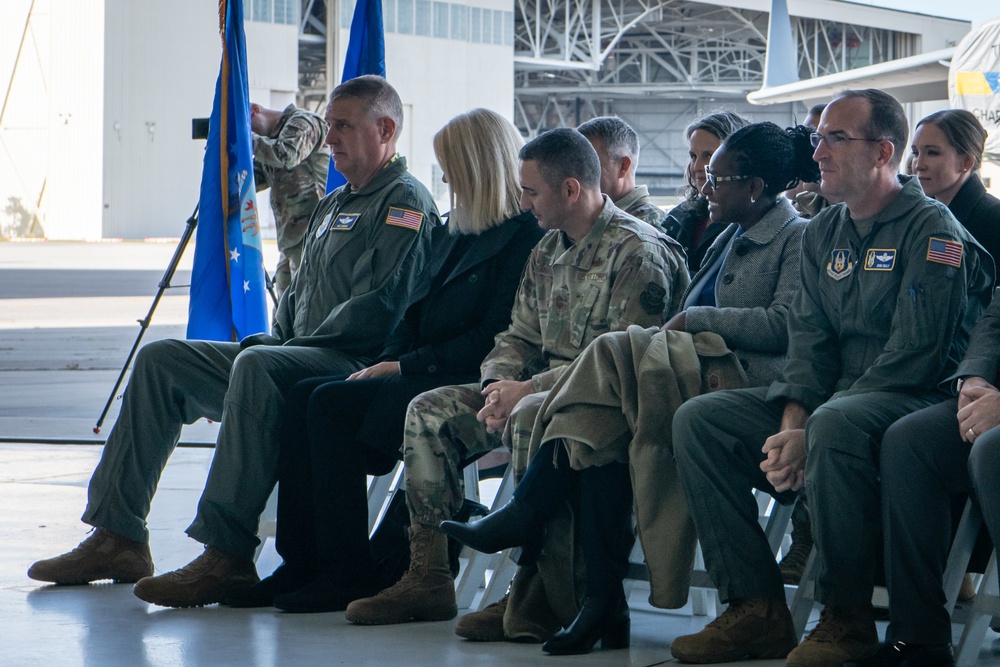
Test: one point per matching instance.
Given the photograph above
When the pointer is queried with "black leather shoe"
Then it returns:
(513, 525)
(283, 580)
(604, 619)
(899, 654)
(320, 596)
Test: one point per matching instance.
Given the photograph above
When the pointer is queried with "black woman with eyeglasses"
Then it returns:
(742, 292)
(688, 222)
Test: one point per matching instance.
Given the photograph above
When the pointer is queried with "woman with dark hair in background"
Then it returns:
(947, 153)
(742, 293)
(340, 429)
(689, 222)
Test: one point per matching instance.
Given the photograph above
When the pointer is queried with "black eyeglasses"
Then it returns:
(834, 140)
(714, 180)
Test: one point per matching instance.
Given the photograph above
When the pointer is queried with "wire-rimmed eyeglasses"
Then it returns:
(833, 140)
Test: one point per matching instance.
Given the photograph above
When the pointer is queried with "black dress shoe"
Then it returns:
(321, 596)
(900, 654)
(513, 525)
(604, 619)
(283, 580)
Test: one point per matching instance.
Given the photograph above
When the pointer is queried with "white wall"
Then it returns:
(50, 132)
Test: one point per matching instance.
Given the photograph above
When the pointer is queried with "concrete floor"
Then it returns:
(67, 320)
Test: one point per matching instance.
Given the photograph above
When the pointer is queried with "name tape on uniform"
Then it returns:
(880, 259)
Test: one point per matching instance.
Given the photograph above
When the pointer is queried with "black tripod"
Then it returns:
(168, 275)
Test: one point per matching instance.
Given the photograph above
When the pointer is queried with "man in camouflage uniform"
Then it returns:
(617, 146)
(290, 157)
(596, 270)
(334, 318)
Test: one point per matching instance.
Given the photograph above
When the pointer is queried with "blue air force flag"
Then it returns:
(227, 282)
(365, 55)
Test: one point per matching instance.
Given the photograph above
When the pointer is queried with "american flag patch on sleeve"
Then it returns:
(402, 217)
(944, 251)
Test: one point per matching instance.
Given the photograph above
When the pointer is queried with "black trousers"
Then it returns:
(925, 466)
(322, 494)
(602, 496)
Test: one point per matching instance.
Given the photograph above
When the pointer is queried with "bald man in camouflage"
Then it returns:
(291, 158)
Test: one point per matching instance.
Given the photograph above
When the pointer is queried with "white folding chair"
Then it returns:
(473, 573)
(977, 614)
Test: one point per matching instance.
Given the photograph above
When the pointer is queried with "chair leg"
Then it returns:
(985, 606)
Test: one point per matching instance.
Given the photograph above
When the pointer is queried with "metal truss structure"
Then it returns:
(572, 54)
(313, 22)
(577, 59)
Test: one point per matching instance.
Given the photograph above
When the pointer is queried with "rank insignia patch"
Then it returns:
(344, 222)
(944, 251)
(840, 265)
(324, 225)
(402, 217)
(880, 259)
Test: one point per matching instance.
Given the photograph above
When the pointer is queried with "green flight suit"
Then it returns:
(883, 315)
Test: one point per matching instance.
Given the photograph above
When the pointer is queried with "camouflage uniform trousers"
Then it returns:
(441, 431)
(288, 264)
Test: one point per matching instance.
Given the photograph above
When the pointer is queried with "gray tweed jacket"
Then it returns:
(755, 286)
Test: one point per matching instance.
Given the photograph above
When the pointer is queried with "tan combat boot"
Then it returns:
(210, 578)
(426, 591)
(749, 628)
(844, 634)
(103, 555)
(485, 625)
(793, 563)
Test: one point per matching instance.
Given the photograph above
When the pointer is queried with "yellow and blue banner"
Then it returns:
(227, 282)
(365, 55)
(974, 81)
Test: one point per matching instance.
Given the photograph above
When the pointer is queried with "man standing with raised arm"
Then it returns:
(290, 156)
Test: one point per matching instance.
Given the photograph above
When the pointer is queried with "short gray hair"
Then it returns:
(378, 98)
(620, 140)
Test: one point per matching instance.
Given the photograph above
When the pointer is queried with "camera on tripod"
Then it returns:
(199, 128)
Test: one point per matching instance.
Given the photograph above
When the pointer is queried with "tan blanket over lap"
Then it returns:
(617, 404)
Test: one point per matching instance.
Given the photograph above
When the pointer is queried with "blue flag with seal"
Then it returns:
(365, 55)
(227, 282)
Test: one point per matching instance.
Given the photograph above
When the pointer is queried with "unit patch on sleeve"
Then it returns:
(880, 259)
(840, 265)
(404, 217)
(944, 251)
(344, 222)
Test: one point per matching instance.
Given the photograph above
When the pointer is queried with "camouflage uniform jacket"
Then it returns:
(293, 162)
(636, 203)
(621, 272)
(363, 263)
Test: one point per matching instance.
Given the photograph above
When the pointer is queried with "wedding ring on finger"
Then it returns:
(971, 435)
